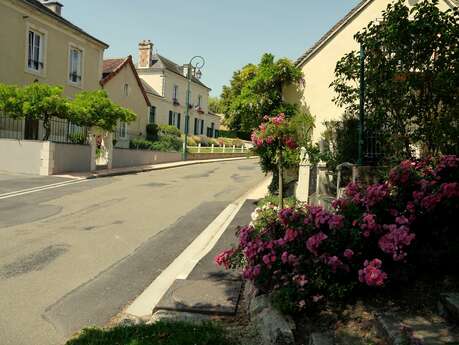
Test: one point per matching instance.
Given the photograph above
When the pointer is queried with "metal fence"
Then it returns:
(62, 131)
(373, 148)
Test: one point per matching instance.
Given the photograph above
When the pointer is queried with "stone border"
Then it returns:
(273, 327)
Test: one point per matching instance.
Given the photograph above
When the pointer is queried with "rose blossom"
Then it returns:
(314, 242)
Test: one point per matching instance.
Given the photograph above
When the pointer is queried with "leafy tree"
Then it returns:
(43, 102)
(95, 109)
(35, 101)
(215, 105)
(411, 78)
(10, 101)
(256, 90)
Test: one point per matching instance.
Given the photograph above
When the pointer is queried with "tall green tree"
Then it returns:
(411, 78)
(95, 109)
(215, 105)
(256, 91)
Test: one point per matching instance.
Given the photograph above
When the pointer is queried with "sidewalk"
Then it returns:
(144, 168)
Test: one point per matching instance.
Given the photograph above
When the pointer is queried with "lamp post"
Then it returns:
(193, 70)
(361, 106)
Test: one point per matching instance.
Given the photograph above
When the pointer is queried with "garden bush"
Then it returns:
(170, 130)
(375, 237)
(152, 130)
(165, 143)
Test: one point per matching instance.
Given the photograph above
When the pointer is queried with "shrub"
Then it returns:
(190, 141)
(140, 144)
(152, 131)
(375, 237)
(167, 143)
(170, 130)
(77, 138)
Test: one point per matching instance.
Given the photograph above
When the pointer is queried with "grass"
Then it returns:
(160, 333)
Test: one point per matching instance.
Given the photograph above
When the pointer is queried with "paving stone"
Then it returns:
(321, 339)
(434, 331)
(450, 302)
(202, 296)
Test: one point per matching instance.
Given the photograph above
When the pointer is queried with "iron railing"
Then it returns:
(62, 131)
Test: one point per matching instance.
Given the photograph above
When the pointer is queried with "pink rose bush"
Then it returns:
(274, 133)
(375, 235)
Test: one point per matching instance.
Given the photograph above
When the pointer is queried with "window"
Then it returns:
(126, 90)
(75, 65)
(174, 119)
(199, 101)
(175, 93)
(210, 130)
(122, 130)
(35, 51)
(152, 115)
(198, 126)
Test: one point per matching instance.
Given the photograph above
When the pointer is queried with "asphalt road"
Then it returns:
(75, 256)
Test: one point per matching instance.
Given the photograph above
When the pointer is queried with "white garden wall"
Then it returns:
(25, 157)
(123, 158)
(71, 158)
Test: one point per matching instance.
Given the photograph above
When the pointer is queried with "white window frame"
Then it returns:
(199, 101)
(73, 47)
(122, 130)
(126, 90)
(42, 53)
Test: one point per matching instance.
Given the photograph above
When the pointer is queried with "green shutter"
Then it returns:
(178, 120)
(170, 117)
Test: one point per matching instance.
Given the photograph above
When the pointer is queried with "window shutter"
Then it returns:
(202, 126)
(195, 126)
(178, 120)
(170, 118)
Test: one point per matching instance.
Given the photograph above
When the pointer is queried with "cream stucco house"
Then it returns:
(37, 44)
(166, 85)
(124, 87)
(318, 62)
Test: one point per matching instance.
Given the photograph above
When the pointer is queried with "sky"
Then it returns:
(228, 34)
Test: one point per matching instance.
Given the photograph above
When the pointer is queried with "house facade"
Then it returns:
(166, 84)
(318, 63)
(124, 87)
(37, 44)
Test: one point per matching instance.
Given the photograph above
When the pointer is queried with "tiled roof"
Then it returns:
(111, 67)
(159, 61)
(310, 52)
(43, 9)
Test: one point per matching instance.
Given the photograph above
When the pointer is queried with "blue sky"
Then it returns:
(229, 34)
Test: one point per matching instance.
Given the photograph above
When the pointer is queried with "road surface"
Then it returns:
(76, 255)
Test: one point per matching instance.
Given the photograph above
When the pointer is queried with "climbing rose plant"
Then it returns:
(273, 138)
(372, 238)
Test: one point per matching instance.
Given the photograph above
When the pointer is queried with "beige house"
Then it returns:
(124, 87)
(166, 85)
(37, 44)
(318, 63)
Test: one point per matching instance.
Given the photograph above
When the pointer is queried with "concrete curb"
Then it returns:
(161, 166)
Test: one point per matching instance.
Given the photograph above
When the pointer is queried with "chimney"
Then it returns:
(145, 54)
(54, 6)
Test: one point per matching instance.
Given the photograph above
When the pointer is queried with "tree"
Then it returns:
(43, 102)
(256, 90)
(35, 101)
(95, 109)
(411, 78)
(215, 105)
(10, 101)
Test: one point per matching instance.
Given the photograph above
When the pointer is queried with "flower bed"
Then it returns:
(375, 237)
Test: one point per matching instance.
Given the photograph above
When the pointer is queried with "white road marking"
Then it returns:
(41, 188)
(184, 264)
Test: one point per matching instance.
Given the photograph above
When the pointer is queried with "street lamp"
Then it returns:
(193, 69)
